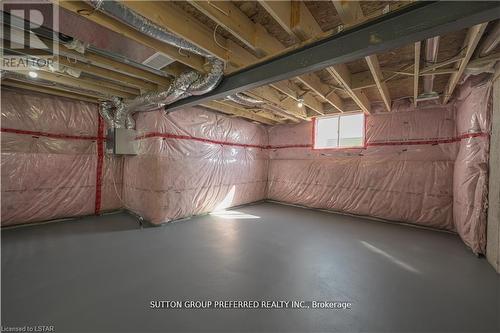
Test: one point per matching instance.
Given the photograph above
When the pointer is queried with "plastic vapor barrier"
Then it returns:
(192, 162)
(402, 174)
(425, 166)
(50, 155)
(470, 179)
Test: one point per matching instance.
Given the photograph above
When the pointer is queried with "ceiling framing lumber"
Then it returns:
(433, 67)
(416, 68)
(354, 15)
(293, 91)
(105, 67)
(362, 80)
(256, 110)
(48, 90)
(281, 12)
(293, 17)
(174, 19)
(255, 36)
(233, 20)
(342, 75)
(302, 22)
(408, 25)
(439, 72)
(314, 83)
(296, 19)
(374, 66)
(350, 13)
(177, 21)
(230, 109)
(117, 66)
(273, 97)
(85, 10)
(471, 40)
(85, 84)
(108, 74)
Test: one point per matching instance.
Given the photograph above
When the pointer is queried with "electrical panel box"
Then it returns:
(121, 141)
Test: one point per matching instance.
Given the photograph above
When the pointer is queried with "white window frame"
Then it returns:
(315, 131)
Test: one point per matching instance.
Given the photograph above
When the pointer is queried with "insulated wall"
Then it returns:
(194, 161)
(52, 161)
(473, 107)
(405, 172)
(426, 166)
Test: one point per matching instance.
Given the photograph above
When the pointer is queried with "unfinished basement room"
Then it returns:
(250, 166)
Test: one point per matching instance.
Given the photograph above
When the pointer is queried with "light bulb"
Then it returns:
(33, 74)
(300, 103)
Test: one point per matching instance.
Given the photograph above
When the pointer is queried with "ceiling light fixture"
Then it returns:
(33, 74)
(300, 102)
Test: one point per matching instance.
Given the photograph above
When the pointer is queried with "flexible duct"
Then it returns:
(185, 85)
(106, 109)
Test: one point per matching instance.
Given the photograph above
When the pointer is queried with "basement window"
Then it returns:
(339, 131)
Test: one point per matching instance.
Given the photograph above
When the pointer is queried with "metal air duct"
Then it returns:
(431, 52)
(185, 85)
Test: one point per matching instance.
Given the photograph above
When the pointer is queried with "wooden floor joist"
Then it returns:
(83, 9)
(230, 109)
(226, 31)
(314, 83)
(254, 36)
(106, 68)
(374, 66)
(257, 110)
(85, 84)
(49, 90)
(471, 40)
(175, 20)
(350, 13)
(343, 76)
(291, 90)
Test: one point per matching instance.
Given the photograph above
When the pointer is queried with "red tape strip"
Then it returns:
(49, 135)
(193, 138)
(227, 143)
(101, 138)
(100, 161)
(428, 142)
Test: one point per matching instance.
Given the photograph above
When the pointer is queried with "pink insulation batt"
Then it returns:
(470, 179)
(49, 159)
(409, 183)
(425, 166)
(206, 167)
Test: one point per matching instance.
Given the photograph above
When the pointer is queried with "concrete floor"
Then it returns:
(99, 274)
